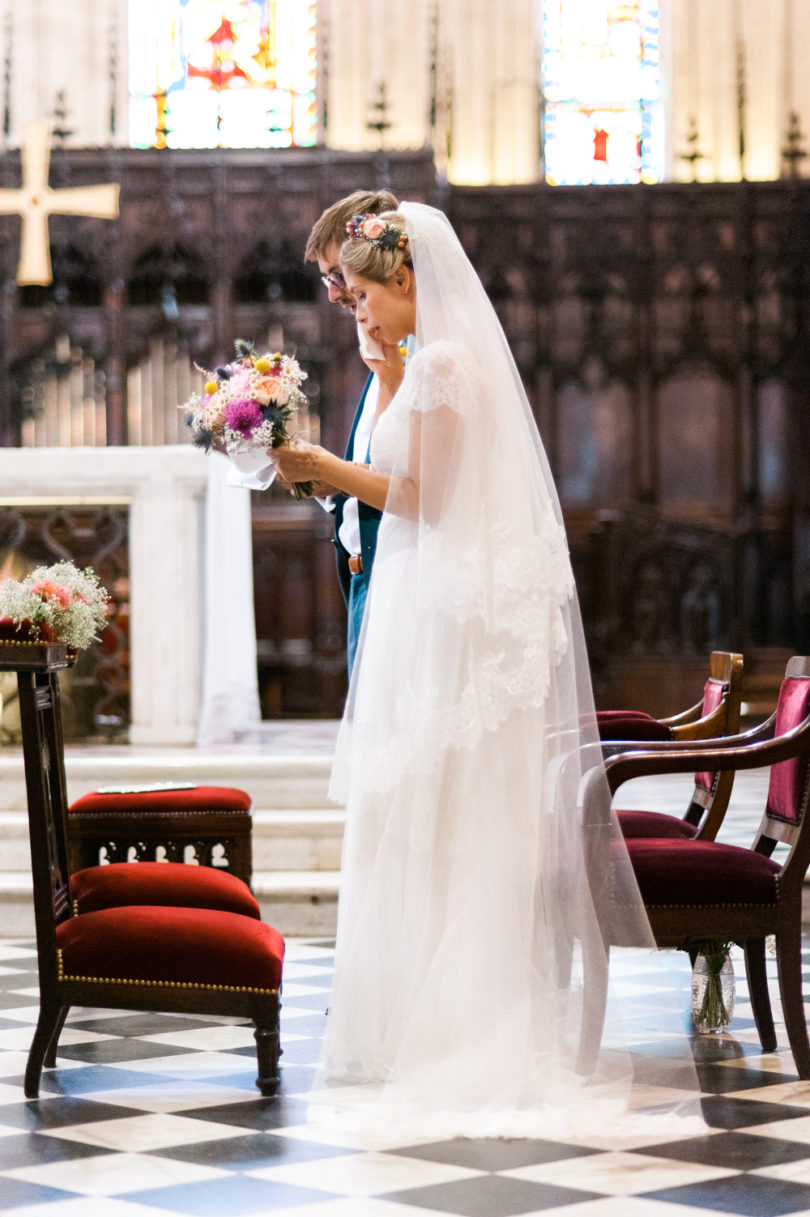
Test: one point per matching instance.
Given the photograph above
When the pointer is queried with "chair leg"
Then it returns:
(267, 1054)
(758, 992)
(595, 970)
(50, 1054)
(49, 1015)
(789, 963)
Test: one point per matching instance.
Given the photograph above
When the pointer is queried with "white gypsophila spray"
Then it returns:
(57, 603)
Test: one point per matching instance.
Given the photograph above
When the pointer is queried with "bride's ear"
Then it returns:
(403, 279)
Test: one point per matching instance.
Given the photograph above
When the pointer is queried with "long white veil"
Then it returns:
(471, 969)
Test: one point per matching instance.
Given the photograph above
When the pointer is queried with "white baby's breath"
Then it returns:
(70, 602)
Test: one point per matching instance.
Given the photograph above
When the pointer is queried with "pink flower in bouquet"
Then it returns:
(243, 415)
(269, 388)
(240, 382)
(373, 228)
(52, 591)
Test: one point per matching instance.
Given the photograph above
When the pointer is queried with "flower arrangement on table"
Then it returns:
(53, 604)
(246, 404)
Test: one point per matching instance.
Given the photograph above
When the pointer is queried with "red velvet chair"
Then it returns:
(699, 890)
(191, 940)
(720, 716)
(706, 719)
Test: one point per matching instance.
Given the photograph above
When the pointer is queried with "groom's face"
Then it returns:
(329, 267)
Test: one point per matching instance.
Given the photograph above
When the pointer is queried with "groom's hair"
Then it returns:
(331, 226)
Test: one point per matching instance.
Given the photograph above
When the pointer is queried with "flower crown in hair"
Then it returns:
(377, 232)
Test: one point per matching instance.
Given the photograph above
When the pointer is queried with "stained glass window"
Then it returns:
(601, 81)
(222, 73)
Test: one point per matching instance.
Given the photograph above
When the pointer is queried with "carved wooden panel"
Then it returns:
(663, 334)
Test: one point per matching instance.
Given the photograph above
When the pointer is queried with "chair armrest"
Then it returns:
(762, 732)
(734, 753)
(685, 716)
(708, 727)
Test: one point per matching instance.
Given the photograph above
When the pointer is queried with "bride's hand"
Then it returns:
(296, 461)
(390, 369)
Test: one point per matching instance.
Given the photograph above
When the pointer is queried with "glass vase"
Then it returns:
(712, 993)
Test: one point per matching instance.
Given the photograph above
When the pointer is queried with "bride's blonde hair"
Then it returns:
(379, 257)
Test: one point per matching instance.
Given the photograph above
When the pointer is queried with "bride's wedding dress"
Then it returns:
(459, 1004)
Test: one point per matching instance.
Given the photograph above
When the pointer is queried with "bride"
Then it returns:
(461, 1004)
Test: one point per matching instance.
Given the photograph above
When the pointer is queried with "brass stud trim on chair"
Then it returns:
(175, 813)
(156, 984)
(16, 642)
(725, 905)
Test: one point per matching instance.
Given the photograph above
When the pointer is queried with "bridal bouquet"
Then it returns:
(58, 604)
(246, 404)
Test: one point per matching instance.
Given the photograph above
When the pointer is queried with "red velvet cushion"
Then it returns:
(165, 883)
(198, 798)
(713, 693)
(171, 945)
(701, 873)
(630, 725)
(654, 824)
(789, 778)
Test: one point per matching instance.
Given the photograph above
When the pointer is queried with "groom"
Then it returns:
(356, 523)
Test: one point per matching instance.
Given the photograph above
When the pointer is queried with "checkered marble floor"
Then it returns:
(151, 1115)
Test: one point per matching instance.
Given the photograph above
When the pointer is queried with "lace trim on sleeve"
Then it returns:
(441, 377)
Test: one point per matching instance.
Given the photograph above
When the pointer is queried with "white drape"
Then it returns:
(230, 695)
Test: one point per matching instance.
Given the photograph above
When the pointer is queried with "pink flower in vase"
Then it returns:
(52, 591)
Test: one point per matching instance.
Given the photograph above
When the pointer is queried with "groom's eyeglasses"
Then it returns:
(334, 279)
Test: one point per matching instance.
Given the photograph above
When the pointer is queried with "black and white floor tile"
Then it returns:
(153, 1115)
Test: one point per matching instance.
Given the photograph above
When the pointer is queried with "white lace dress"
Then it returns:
(457, 997)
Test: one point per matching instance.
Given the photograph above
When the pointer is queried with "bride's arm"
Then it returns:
(422, 493)
(304, 462)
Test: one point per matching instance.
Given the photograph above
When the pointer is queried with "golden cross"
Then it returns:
(35, 202)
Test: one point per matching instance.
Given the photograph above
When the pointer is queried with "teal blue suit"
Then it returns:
(355, 587)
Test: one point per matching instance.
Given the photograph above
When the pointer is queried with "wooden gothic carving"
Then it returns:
(663, 334)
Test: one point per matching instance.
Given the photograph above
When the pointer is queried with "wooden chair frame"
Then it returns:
(725, 667)
(749, 925)
(37, 669)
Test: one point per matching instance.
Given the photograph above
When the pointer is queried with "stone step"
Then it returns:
(273, 783)
(299, 904)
